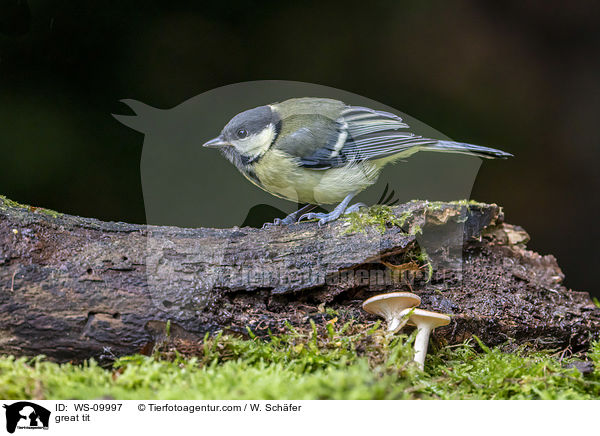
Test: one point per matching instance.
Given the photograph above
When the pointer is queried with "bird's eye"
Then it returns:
(242, 133)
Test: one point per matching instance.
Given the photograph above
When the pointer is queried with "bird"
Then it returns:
(319, 151)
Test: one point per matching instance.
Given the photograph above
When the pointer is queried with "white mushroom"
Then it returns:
(391, 307)
(426, 322)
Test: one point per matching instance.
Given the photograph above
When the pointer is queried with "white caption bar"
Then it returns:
(297, 417)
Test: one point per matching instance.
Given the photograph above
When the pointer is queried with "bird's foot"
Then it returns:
(354, 208)
(290, 219)
(325, 218)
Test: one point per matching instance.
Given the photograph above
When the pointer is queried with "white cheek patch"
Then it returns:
(255, 145)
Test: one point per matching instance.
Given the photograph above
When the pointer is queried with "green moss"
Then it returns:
(382, 216)
(49, 212)
(11, 204)
(416, 230)
(594, 356)
(379, 216)
(466, 202)
(331, 312)
(343, 362)
(439, 205)
(596, 302)
(421, 257)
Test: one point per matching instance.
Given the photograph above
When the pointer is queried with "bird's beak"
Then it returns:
(215, 143)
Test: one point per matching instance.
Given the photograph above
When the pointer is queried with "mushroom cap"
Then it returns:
(422, 316)
(390, 305)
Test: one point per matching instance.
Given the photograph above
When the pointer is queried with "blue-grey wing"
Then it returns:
(306, 135)
(362, 134)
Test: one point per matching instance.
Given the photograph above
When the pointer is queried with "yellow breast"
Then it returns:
(281, 176)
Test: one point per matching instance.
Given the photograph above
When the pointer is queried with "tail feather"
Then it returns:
(470, 149)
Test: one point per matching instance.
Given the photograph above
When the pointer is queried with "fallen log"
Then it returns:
(72, 288)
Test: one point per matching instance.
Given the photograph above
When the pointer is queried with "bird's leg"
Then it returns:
(291, 218)
(341, 209)
(354, 208)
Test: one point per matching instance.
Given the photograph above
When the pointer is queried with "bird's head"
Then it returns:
(249, 134)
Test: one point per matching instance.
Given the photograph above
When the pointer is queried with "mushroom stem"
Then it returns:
(425, 321)
(421, 345)
(395, 324)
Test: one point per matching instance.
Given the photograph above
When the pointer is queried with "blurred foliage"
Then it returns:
(348, 362)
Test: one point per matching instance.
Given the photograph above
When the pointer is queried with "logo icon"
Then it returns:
(26, 415)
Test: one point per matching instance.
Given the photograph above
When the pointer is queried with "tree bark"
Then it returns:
(72, 287)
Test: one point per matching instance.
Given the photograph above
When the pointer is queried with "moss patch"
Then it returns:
(6, 203)
(422, 258)
(342, 362)
(379, 216)
(11, 203)
(382, 216)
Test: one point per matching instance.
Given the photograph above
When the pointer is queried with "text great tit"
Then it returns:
(322, 151)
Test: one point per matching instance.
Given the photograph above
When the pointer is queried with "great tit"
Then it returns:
(322, 151)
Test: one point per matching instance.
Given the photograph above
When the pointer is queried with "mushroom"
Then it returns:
(425, 321)
(391, 307)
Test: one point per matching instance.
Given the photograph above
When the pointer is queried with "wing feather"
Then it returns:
(363, 134)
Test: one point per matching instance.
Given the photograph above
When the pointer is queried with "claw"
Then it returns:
(324, 218)
(314, 215)
(279, 222)
(354, 208)
(290, 219)
(341, 209)
(276, 222)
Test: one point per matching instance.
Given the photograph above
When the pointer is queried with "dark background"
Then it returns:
(518, 75)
